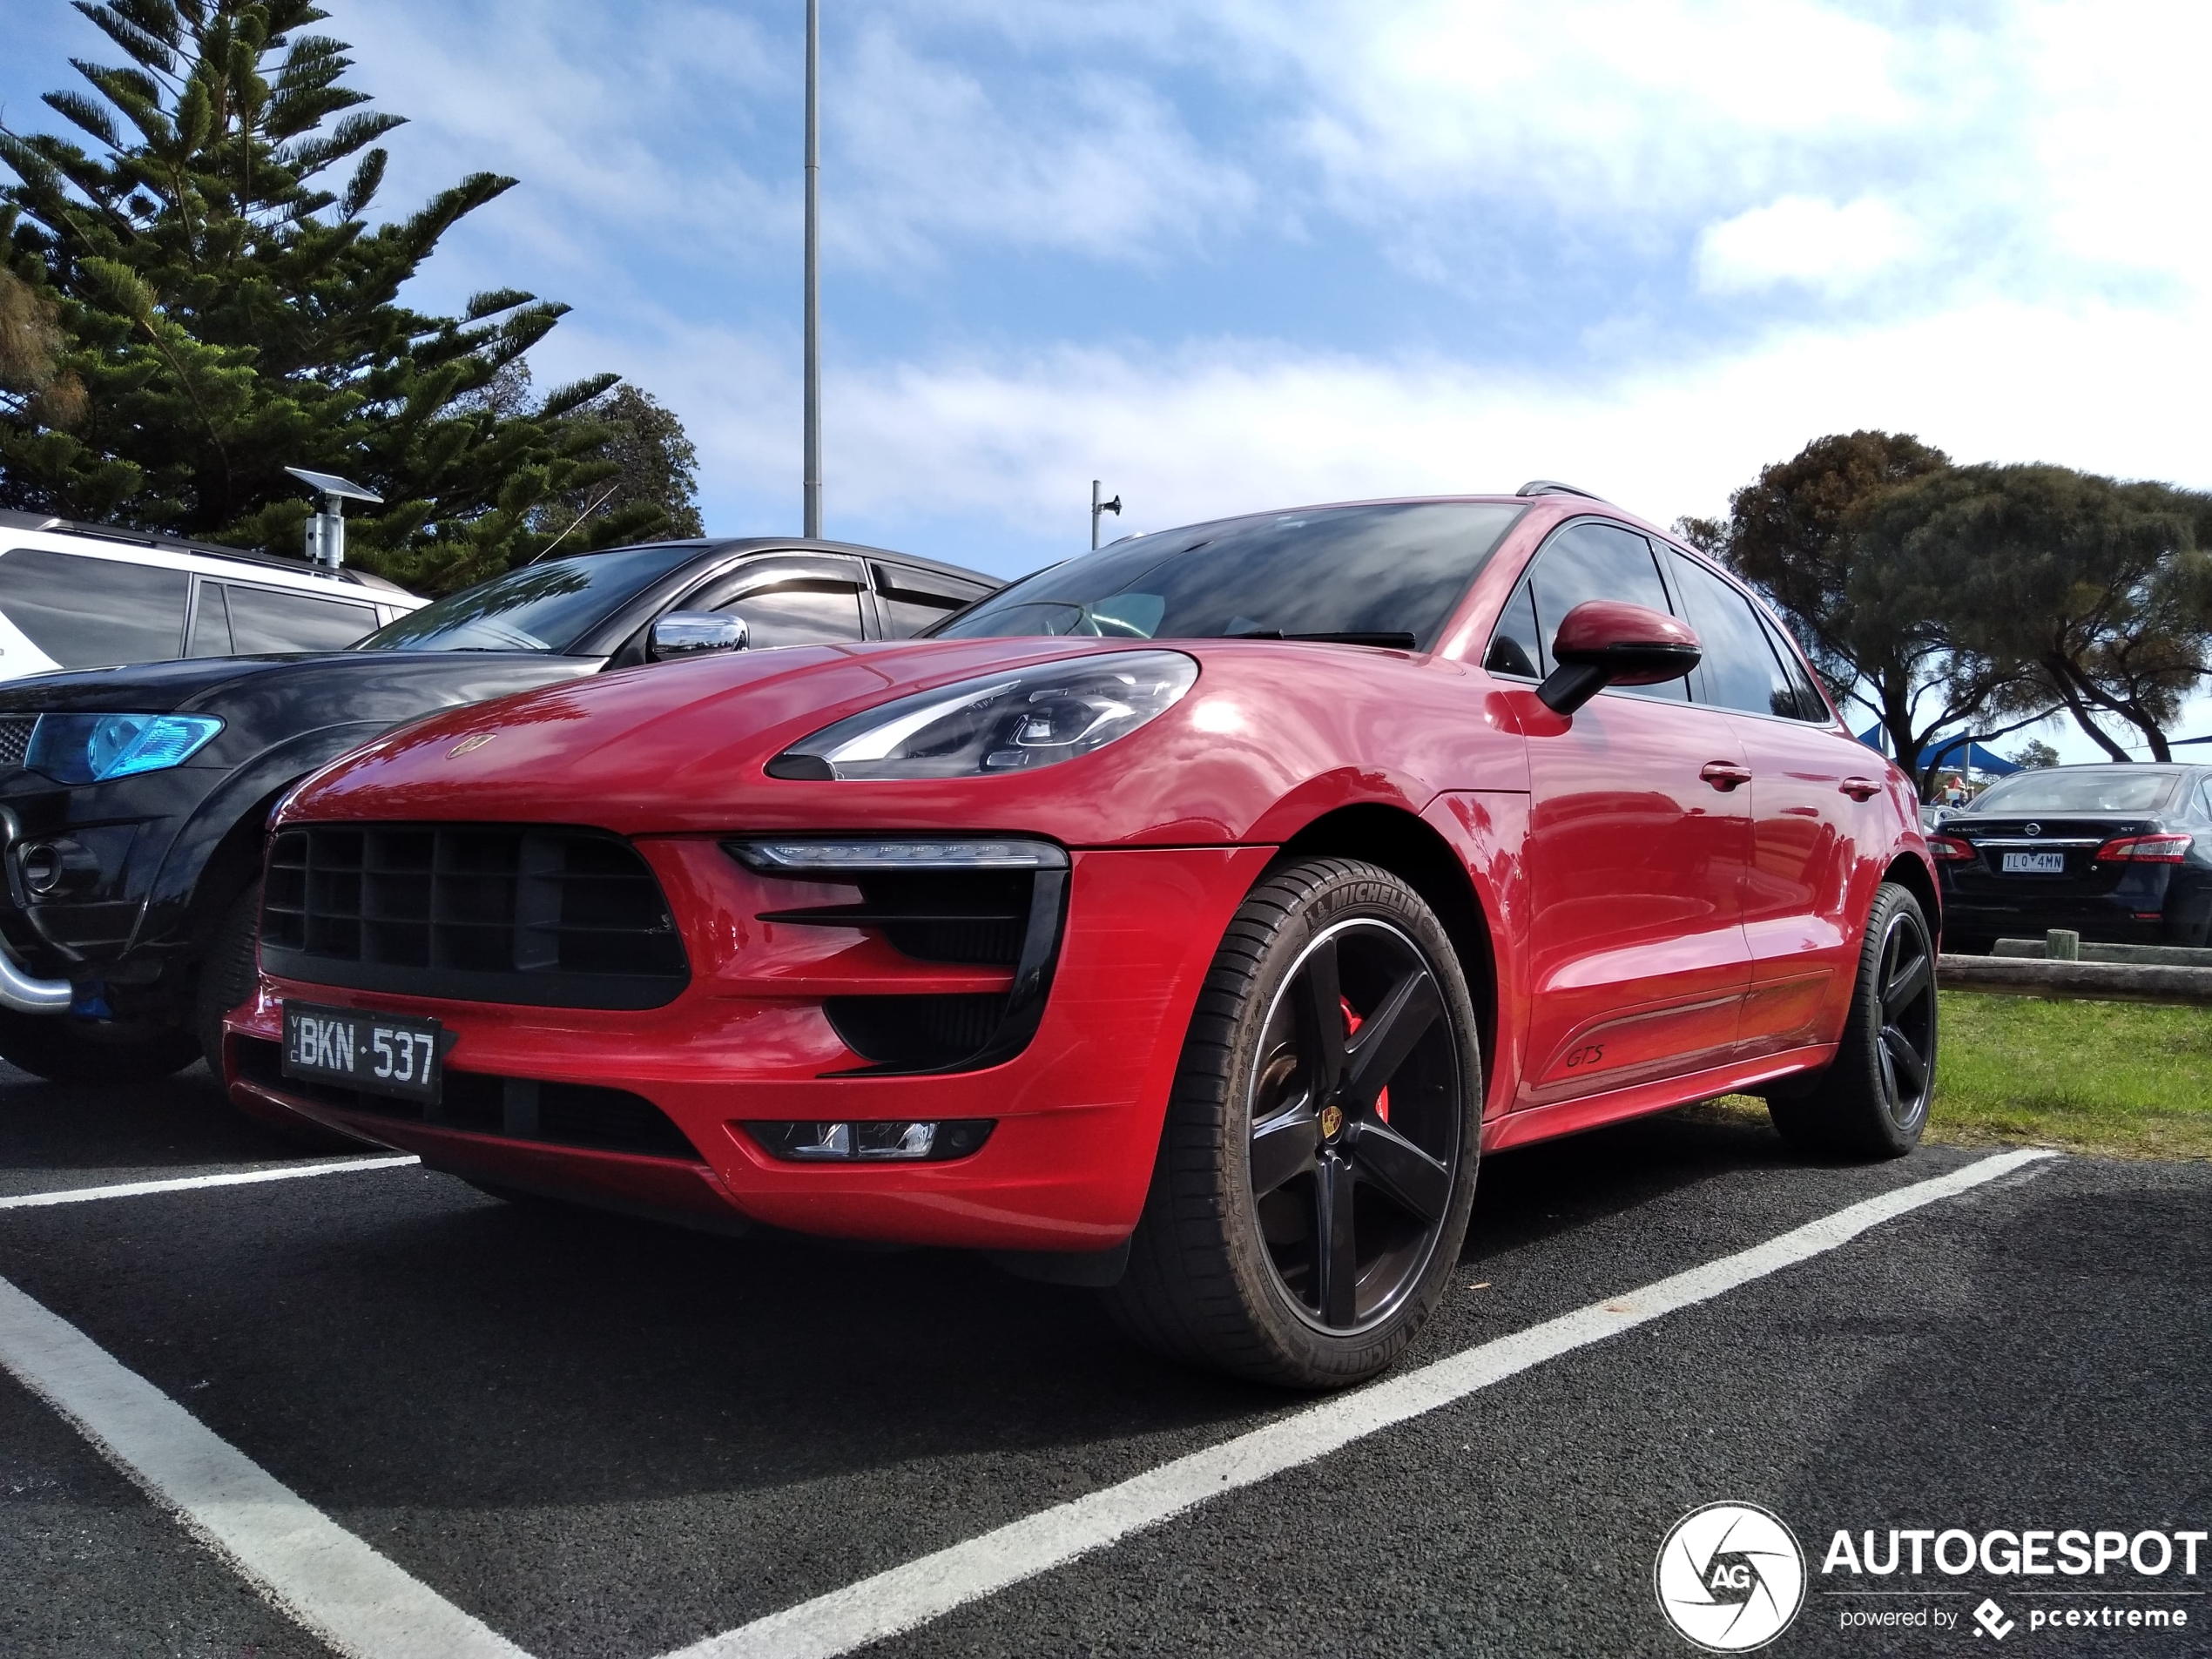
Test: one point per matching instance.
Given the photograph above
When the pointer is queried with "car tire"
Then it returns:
(65, 1049)
(1872, 1102)
(1307, 1206)
(227, 972)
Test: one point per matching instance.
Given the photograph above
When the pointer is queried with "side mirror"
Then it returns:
(1607, 642)
(686, 633)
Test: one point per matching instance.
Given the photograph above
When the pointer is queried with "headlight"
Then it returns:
(90, 748)
(1016, 721)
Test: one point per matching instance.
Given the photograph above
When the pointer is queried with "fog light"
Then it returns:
(42, 869)
(52, 867)
(894, 1142)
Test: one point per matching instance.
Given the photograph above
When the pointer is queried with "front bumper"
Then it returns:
(1077, 1111)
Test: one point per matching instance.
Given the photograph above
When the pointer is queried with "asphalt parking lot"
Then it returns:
(596, 1436)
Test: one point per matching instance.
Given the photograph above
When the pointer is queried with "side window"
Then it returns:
(914, 600)
(2204, 799)
(1591, 561)
(267, 620)
(86, 612)
(1811, 705)
(1739, 666)
(211, 624)
(1514, 648)
(798, 611)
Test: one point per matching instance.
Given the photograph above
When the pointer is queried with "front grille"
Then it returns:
(581, 1114)
(15, 739)
(487, 913)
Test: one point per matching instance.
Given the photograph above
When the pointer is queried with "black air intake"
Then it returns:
(483, 912)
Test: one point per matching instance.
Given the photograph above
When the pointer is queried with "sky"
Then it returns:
(1228, 255)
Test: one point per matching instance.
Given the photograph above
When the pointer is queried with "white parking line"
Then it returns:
(335, 1585)
(188, 1183)
(936, 1584)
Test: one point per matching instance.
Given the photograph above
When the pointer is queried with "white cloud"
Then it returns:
(1009, 443)
(1804, 240)
(1082, 160)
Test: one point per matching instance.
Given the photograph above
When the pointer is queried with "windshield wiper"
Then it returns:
(1383, 639)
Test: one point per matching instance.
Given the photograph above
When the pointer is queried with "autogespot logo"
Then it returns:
(1730, 1577)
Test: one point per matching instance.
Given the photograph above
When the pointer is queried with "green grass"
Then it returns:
(2118, 1079)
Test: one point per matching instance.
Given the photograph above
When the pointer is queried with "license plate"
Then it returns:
(385, 1053)
(2034, 863)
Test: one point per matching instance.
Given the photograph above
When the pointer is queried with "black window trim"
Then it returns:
(1696, 698)
(1775, 631)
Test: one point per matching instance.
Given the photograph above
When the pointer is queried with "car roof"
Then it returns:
(44, 523)
(726, 544)
(1567, 497)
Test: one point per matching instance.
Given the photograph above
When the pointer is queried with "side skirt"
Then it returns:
(1571, 1116)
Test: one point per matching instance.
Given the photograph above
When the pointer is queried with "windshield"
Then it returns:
(546, 607)
(2093, 789)
(1383, 576)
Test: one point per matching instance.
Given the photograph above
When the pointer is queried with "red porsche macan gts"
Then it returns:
(1185, 918)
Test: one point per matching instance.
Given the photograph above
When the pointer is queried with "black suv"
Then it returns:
(134, 801)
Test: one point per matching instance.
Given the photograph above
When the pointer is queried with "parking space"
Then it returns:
(603, 1437)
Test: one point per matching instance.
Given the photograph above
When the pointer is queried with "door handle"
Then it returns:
(1860, 788)
(1724, 775)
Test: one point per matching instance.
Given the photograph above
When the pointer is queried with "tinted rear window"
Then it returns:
(2093, 789)
(264, 620)
(1397, 570)
(86, 612)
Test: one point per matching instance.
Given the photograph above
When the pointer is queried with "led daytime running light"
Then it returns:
(819, 857)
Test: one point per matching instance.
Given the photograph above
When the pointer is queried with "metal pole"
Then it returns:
(810, 485)
(1094, 514)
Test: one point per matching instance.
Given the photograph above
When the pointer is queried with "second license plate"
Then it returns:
(385, 1053)
(2034, 863)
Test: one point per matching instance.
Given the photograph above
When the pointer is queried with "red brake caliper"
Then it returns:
(1351, 1027)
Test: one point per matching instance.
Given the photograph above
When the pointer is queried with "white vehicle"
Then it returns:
(86, 596)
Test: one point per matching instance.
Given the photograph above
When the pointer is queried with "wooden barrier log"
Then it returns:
(2076, 982)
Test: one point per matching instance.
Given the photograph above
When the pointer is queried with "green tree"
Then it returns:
(2089, 594)
(192, 310)
(654, 462)
(2033, 755)
(1876, 624)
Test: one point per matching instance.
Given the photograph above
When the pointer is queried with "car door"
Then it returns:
(1808, 793)
(798, 599)
(1637, 841)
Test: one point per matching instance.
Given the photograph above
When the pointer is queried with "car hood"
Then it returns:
(206, 684)
(681, 747)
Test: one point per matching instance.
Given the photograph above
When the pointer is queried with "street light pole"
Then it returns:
(1098, 506)
(810, 484)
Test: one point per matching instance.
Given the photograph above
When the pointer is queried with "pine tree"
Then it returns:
(188, 310)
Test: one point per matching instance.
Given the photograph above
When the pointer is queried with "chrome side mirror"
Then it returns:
(686, 633)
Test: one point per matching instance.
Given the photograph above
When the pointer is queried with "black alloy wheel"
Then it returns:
(1354, 1125)
(1317, 1166)
(1908, 998)
(1872, 1101)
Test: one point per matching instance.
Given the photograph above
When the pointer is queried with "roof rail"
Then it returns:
(13, 519)
(1553, 486)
